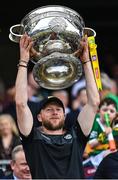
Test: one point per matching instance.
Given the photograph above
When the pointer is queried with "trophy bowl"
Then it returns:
(56, 31)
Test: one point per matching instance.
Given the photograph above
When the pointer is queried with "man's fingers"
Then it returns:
(24, 41)
(29, 45)
(33, 52)
(78, 52)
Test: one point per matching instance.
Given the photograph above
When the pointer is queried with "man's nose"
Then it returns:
(54, 111)
(27, 168)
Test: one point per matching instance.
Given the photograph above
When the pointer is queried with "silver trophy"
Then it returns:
(56, 31)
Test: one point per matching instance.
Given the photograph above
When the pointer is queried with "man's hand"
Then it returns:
(25, 46)
(83, 51)
(84, 55)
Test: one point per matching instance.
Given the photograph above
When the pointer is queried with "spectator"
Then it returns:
(64, 97)
(77, 86)
(79, 99)
(9, 137)
(4, 96)
(98, 144)
(20, 169)
(109, 85)
(33, 99)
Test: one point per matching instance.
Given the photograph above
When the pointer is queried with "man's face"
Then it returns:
(52, 117)
(20, 167)
(110, 110)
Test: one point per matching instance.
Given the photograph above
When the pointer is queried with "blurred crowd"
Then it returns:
(74, 99)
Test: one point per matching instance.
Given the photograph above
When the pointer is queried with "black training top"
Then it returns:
(55, 156)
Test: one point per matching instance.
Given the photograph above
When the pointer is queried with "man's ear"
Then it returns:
(12, 164)
(39, 117)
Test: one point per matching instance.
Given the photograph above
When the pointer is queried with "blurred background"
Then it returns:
(97, 14)
(100, 15)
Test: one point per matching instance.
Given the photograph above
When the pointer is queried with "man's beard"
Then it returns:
(50, 126)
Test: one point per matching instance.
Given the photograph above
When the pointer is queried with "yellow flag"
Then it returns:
(95, 62)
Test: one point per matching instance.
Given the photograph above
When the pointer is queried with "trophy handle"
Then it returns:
(16, 31)
(89, 32)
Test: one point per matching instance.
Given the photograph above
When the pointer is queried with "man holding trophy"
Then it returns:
(52, 151)
(54, 35)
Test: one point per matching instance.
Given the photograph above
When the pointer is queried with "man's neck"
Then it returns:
(52, 132)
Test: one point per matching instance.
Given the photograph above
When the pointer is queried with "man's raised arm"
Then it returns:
(24, 116)
(87, 115)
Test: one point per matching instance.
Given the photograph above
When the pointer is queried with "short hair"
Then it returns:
(18, 148)
(108, 101)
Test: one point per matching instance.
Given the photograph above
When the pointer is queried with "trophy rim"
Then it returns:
(51, 6)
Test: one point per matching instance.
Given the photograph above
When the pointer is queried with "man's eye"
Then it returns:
(59, 109)
(48, 109)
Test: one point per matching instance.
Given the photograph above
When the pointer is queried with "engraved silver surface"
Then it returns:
(56, 31)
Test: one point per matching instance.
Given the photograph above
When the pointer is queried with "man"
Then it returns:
(19, 165)
(52, 151)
